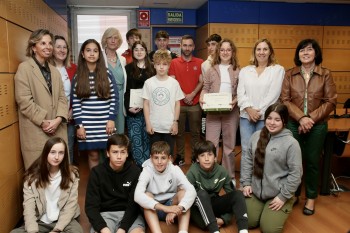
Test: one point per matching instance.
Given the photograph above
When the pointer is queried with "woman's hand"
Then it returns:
(174, 128)
(135, 110)
(201, 102)
(305, 125)
(233, 103)
(247, 191)
(276, 204)
(50, 126)
(254, 114)
(110, 127)
(81, 134)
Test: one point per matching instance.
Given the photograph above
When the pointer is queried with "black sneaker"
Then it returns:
(178, 161)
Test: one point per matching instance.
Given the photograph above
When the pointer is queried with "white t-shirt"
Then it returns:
(162, 95)
(66, 82)
(226, 86)
(52, 194)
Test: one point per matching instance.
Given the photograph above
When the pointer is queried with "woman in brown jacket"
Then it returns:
(42, 104)
(309, 92)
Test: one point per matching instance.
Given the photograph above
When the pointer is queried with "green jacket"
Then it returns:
(212, 182)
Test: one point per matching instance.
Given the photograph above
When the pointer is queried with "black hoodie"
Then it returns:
(108, 191)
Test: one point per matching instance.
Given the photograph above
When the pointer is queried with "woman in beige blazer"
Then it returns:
(42, 104)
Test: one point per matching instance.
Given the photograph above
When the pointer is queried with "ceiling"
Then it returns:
(180, 4)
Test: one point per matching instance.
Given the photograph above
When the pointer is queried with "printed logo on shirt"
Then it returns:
(127, 184)
(161, 96)
(273, 149)
(216, 180)
(195, 68)
(170, 181)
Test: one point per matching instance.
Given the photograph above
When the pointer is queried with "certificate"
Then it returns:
(217, 102)
(136, 101)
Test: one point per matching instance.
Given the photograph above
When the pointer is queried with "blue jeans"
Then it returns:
(247, 128)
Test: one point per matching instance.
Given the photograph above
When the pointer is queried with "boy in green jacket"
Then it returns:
(211, 210)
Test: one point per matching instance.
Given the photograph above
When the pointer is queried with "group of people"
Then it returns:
(282, 118)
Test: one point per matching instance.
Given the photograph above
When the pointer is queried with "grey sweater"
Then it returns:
(282, 170)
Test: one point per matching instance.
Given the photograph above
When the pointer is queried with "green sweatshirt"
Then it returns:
(212, 182)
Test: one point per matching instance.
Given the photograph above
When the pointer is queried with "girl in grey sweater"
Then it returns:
(271, 172)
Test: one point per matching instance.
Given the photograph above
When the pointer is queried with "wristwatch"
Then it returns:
(79, 126)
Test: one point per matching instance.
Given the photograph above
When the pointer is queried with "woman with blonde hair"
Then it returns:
(111, 41)
(259, 86)
(42, 104)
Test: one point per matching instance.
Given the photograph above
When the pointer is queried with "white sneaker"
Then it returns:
(234, 182)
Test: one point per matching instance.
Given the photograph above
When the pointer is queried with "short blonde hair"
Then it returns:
(161, 55)
(109, 33)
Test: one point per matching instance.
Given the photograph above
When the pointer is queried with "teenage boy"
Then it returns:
(187, 71)
(212, 42)
(132, 36)
(164, 191)
(162, 41)
(109, 203)
(161, 105)
(212, 210)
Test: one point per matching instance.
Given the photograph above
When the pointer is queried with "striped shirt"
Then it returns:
(93, 113)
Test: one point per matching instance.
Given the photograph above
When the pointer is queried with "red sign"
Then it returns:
(144, 18)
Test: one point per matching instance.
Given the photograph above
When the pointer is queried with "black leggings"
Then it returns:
(207, 208)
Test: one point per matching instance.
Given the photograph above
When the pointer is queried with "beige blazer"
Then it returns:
(36, 103)
(34, 205)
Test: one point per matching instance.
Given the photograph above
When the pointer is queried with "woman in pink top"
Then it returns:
(222, 77)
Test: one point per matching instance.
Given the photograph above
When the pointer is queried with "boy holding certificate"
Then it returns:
(162, 94)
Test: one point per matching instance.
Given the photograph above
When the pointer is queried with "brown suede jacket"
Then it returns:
(321, 94)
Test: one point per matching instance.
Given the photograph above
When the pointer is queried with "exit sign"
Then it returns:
(175, 17)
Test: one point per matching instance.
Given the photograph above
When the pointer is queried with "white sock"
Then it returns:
(243, 231)
(183, 231)
(217, 232)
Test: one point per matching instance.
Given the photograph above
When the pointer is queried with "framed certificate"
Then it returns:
(215, 102)
(136, 101)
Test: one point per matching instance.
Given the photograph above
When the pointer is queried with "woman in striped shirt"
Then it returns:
(95, 101)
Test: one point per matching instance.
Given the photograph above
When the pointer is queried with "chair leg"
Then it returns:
(335, 187)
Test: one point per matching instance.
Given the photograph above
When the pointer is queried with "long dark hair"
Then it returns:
(102, 85)
(39, 172)
(149, 68)
(260, 152)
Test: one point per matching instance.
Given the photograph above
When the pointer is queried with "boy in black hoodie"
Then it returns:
(109, 202)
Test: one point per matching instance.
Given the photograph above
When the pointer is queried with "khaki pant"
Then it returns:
(72, 227)
(270, 221)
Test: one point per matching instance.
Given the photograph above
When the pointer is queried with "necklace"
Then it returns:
(114, 60)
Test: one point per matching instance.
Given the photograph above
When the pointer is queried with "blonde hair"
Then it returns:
(161, 55)
(271, 61)
(34, 38)
(109, 33)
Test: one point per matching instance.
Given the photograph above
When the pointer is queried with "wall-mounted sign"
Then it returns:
(144, 18)
(175, 17)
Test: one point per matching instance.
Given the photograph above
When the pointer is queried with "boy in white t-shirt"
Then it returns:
(161, 106)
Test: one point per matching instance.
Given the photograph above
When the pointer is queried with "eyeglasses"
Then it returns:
(61, 47)
(225, 50)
